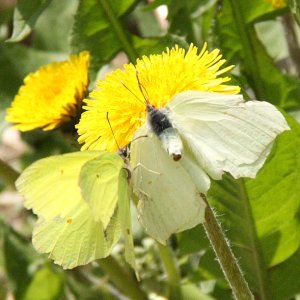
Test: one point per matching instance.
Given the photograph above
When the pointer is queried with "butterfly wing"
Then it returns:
(50, 185)
(66, 228)
(75, 239)
(224, 133)
(99, 181)
(169, 200)
(124, 192)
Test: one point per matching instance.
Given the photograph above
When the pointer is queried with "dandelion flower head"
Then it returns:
(51, 95)
(161, 77)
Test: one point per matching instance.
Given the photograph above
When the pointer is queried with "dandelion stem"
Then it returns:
(225, 256)
(8, 174)
(117, 27)
(122, 280)
(172, 271)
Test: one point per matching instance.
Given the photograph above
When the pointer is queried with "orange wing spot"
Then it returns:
(70, 221)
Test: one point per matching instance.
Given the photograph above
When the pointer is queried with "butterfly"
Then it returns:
(82, 200)
(205, 135)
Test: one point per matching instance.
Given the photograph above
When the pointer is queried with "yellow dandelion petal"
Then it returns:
(278, 3)
(161, 76)
(51, 95)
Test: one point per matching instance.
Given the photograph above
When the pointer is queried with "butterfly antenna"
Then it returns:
(132, 92)
(112, 131)
(142, 89)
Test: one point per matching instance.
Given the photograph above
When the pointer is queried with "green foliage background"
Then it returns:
(261, 216)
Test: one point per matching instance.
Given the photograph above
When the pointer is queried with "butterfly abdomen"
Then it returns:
(168, 135)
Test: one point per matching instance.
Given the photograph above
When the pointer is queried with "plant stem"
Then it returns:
(8, 174)
(172, 271)
(225, 256)
(291, 39)
(251, 64)
(117, 26)
(124, 281)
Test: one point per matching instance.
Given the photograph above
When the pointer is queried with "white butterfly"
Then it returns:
(206, 134)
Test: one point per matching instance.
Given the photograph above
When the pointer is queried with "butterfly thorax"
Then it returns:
(163, 129)
(158, 119)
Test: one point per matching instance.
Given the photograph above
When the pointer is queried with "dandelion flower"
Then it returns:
(162, 76)
(51, 95)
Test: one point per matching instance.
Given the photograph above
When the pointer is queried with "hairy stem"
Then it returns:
(225, 256)
(121, 279)
(117, 27)
(172, 270)
(8, 174)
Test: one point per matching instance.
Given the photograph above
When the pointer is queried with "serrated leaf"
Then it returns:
(59, 16)
(26, 14)
(262, 214)
(92, 30)
(279, 89)
(92, 18)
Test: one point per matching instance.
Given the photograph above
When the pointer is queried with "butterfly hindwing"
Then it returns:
(169, 200)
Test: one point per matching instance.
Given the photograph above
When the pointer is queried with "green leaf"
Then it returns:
(181, 17)
(59, 16)
(262, 214)
(14, 70)
(284, 278)
(148, 46)
(92, 18)
(92, 30)
(257, 10)
(46, 285)
(239, 43)
(192, 240)
(146, 21)
(18, 256)
(295, 9)
(280, 89)
(155, 4)
(192, 292)
(26, 14)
